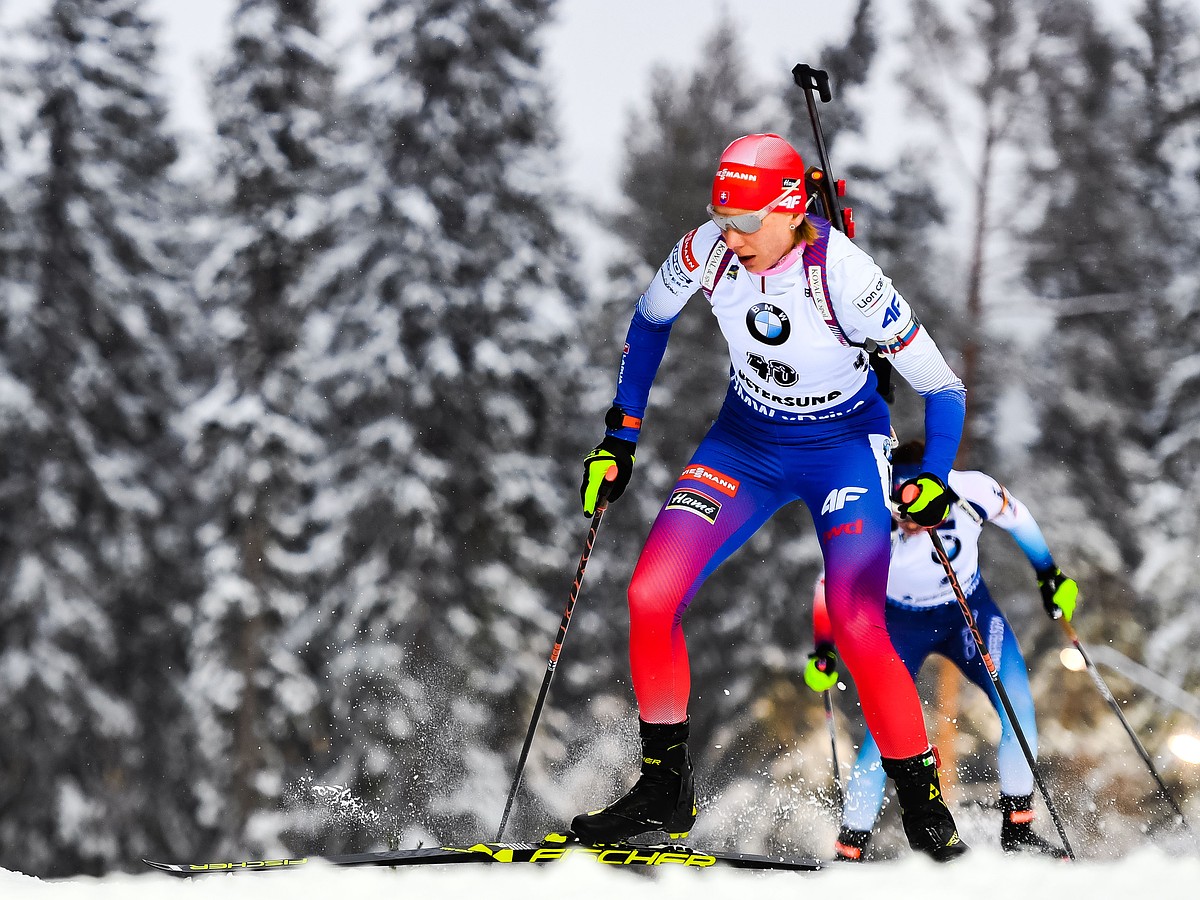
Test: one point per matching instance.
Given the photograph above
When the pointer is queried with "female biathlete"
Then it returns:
(802, 420)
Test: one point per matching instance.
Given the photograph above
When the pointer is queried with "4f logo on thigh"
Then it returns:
(839, 497)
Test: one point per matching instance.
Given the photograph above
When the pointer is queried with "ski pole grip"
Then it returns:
(605, 487)
(813, 80)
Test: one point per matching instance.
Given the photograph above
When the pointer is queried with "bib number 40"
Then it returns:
(772, 370)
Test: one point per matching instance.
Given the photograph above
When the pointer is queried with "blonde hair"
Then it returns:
(806, 232)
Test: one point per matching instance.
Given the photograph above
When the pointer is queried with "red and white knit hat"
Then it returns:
(756, 169)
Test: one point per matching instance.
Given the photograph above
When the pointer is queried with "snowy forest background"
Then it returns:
(291, 442)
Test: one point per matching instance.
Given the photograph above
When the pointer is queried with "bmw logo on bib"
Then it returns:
(768, 324)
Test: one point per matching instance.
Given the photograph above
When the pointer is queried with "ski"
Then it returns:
(552, 848)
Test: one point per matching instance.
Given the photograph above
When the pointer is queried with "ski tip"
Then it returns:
(169, 868)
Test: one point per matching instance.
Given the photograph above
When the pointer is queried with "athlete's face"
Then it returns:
(759, 251)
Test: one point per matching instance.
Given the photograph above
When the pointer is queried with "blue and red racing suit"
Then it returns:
(923, 617)
(802, 420)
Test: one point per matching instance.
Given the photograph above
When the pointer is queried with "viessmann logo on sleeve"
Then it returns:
(685, 251)
(713, 479)
(696, 503)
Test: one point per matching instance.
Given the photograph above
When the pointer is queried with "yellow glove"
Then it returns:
(925, 500)
(1059, 593)
(609, 453)
(821, 672)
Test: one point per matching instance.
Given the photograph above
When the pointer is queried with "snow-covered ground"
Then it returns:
(983, 875)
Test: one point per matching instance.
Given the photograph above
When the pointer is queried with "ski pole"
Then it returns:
(837, 771)
(552, 665)
(1116, 707)
(994, 674)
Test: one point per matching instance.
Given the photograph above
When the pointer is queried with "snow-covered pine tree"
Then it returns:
(255, 437)
(980, 120)
(13, 239)
(1111, 244)
(1164, 59)
(448, 357)
(1097, 258)
(95, 572)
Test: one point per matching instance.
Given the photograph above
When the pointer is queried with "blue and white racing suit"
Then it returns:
(801, 421)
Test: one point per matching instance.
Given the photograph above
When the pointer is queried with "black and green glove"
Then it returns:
(608, 453)
(1059, 593)
(821, 672)
(925, 500)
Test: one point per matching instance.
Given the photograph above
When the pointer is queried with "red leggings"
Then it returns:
(724, 495)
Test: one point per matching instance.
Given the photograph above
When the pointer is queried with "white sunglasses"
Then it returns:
(748, 223)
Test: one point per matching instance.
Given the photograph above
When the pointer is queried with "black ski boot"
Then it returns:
(928, 824)
(851, 845)
(1017, 834)
(664, 798)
